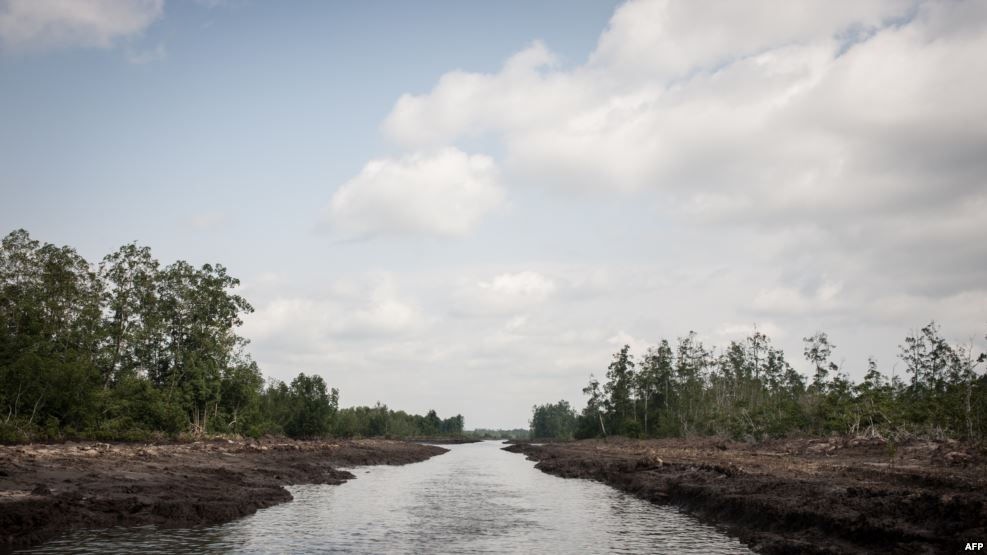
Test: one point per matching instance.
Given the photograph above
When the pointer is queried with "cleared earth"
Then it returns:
(798, 496)
(47, 489)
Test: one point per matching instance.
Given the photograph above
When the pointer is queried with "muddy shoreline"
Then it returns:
(49, 489)
(798, 496)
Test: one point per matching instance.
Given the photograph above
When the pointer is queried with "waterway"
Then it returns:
(474, 499)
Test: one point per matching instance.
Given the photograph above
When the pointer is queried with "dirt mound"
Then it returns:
(797, 496)
(46, 489)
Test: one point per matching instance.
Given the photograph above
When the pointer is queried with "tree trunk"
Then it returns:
(645, 415)
(969, 419)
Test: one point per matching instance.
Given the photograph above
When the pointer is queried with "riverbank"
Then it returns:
(47, 489)
(798, 496)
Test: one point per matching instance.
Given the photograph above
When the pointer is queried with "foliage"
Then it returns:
(484, 433)
(381, 421)
(557, 421)
(749, 390)
(131, 349)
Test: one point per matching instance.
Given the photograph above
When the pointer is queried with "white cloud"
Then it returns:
(766, 107)
(735, 331)
(371, 309)
(666, 40)
(445, 192)
(385, 313)
(623, 338)
(507, 293)
(791, 300)
(859, 124)
(528, 285)
(41, 24)
(516, 324)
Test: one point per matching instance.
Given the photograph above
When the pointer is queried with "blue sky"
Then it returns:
(252, 115)
(467, 206)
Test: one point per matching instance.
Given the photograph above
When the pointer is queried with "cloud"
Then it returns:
(623, 338)
(44, 24)
(756, 106)
(735, 331)
(503, 294)
(666, 41)
(310, 323)
(528, 285)
(791, 300)
(444, 192)
(854, 127)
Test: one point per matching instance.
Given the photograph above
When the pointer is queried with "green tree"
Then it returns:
(817, 351)
(312, 407)
(50, 332)
(619, 388)
(553, 420)
(133, 327)
(591, 423)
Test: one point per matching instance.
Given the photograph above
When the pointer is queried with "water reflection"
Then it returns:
(474, 499)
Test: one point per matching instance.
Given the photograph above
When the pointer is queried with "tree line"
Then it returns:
(128, 348)
(487, 433)
(381, 421)
(750, 391)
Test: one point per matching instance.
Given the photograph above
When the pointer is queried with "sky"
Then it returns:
(469, 206)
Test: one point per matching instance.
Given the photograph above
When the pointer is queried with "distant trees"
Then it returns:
(486, 433)
(749, 390)
(553, 420)
(128, 348)
(380, 421)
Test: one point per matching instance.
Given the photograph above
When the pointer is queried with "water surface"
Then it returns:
(474, 499)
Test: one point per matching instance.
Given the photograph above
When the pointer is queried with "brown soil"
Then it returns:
(47, 489)
(798, 496)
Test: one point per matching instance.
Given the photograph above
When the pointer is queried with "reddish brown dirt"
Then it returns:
(47, 489)
(798, 496)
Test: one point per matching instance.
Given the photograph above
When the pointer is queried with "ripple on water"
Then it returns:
(474, 499)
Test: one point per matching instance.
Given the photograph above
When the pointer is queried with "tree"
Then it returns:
(431, 424)
(312, 407)
(553, 420)
(817, 351)
(133, 324)
(619, 386)
(240, 390)
(593, 412)
(751, 391)
(199, 317)
(692, 359)
(50, 331)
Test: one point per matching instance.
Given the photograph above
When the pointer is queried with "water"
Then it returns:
(474, 499)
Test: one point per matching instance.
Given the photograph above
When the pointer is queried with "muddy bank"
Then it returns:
(798, 496)
(46, 489)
